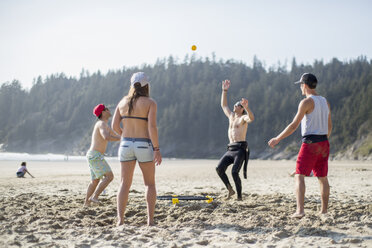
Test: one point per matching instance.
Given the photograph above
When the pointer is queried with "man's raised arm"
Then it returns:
(225, 108)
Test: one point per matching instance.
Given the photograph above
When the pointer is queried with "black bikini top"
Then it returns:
(134, 117)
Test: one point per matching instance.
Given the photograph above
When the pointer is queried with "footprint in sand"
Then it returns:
(31, 238)
(203, 242)
(130, 213)
(56, 226)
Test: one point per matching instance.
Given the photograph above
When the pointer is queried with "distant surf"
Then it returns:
(15, 156)
(10, 156)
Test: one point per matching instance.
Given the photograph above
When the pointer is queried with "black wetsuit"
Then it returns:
(236, 154)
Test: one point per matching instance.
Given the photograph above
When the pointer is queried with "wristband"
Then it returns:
(156, 149)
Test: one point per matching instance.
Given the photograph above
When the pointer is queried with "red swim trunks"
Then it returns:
(313, 157)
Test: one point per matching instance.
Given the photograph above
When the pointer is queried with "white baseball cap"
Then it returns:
(139, 77)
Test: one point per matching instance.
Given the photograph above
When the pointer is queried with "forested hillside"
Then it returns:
(55, 115)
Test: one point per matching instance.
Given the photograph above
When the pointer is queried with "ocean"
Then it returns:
(12, 156)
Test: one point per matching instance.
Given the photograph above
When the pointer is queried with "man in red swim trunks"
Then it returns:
(314, 113)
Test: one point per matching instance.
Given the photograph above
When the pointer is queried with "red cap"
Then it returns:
(97, 111)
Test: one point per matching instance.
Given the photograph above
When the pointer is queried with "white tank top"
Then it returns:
(22, 169)
(317, 121)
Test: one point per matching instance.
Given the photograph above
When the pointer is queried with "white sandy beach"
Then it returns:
(47, 211)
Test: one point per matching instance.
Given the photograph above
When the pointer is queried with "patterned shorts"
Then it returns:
(97, 164)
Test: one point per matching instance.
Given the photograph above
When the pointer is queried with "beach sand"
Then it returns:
(47, 211)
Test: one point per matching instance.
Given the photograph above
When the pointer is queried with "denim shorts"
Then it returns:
(20, 174)
(136, 149)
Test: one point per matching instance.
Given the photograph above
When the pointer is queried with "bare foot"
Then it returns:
(94, 200)
(326, 217)
(150, 222)
(231, 193)
(87, 203)
(120, 222)
(297, 215)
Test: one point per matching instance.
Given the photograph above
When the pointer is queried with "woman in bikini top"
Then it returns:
(135, 120)
(135, 117)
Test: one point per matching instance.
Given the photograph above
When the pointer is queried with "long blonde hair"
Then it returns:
(135, 92)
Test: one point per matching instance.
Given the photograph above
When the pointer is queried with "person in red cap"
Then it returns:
(100, 171)
(314, 114)
(139, 142)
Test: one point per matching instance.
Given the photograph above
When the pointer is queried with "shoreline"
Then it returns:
(54, 157)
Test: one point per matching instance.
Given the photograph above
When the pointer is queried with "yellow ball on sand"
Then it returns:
(193, 47)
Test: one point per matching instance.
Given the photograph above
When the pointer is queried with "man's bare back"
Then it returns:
(101, 129)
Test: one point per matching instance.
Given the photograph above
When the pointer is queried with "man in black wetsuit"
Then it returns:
(237, 151)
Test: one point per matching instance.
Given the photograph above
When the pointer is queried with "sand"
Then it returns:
(47, 211)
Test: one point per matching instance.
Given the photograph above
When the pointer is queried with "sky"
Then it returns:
(44, 37)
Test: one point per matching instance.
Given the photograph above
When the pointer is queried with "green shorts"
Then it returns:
(97, 164)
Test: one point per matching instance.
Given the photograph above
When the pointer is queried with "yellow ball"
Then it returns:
(193, 47)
